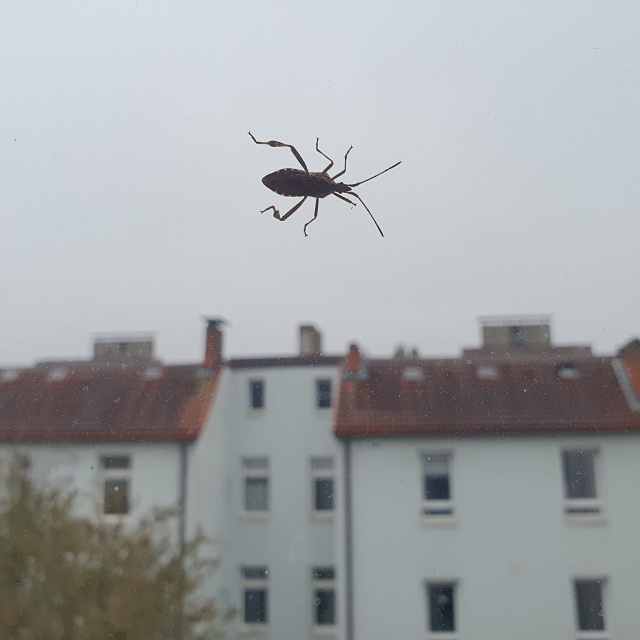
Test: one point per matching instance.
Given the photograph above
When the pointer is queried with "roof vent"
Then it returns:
(567, 371)
(153, 372)
(412, 374)
(123, 350)
(9, 375)
(486, 372)
(56, 374)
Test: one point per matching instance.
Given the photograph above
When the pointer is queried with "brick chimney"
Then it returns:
(310, 341)
(354, 362)
(213, 346)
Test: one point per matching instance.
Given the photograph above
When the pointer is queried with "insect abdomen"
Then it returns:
(297, 183)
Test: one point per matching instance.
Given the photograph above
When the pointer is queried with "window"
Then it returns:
(256, 485)
(441, 607)
(324, 597)
(255, 592)
(590, 607)
(256, 394)
(322, 486)
(580, 482)
(436, 485)
(323, 393)
(116, 472)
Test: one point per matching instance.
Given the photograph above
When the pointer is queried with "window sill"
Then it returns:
(585, 519)
(444, 521)
(256, 516)
(323, 516)
(593, 635)
(324, 630)
(444, 635)
(247, 629)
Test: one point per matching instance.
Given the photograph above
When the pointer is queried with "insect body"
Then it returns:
(308, 184)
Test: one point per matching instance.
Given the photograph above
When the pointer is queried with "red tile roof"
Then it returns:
(85, 402)
(448, 397)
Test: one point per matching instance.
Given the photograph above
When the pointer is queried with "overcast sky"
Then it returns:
(131, 193)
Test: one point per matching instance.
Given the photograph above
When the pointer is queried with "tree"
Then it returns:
(69, 577)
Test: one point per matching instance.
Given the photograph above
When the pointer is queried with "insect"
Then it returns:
(306, 184)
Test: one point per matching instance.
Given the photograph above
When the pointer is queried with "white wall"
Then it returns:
(511, 549)
(155, 471)
(290, 430)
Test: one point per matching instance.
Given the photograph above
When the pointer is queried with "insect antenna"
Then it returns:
(353, 193)
(356, 184)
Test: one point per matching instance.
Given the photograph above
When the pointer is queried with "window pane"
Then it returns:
(116, 462)
(441, 609)
(116, 496)
(324, 494)
(256, 494)
(255, 463)
(325, 606)
(255, 606)
(436, 488)
(324, 573)
(322, 464)
(323, 394)
(589, 605)
(256, 394)
(579, 474)
(255, 573)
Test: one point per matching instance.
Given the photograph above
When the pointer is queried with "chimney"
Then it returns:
(354, 363)
(310, 341)
(213, 346)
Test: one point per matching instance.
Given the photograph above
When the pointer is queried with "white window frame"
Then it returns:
(324, 584)
(119, 474)
(581, 508)
(591, 635)
(255, 468)
(443, 635)
(431, 509)
(322, 468)
(254, 583)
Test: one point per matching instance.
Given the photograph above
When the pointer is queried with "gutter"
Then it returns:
(182, 483)
(348, 534)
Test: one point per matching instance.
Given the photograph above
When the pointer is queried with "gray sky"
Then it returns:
(130, 191)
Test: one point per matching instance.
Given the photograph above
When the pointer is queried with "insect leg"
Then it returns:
(345, 165)
(276, 213)
(275, 143)
(353, 193)
(337, 195)
(325, 171)
(315, 214)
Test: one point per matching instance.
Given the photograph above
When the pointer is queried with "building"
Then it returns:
(492, 495)
(486, 496)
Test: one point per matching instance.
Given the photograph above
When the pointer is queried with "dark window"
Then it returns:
(116, 462)
(256, 394)
(116, 496)
(325, 606)
(323, 394)
(255, 594)
(436, 488)
(255, 606)
(324, 596)
(579, 474)
(256, 494)
(589, 605)
(441, 607)
(516, 338)
(323, 494)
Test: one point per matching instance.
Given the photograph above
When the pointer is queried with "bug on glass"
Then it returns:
(310, 184)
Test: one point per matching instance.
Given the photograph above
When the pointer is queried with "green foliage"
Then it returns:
(66, 577)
